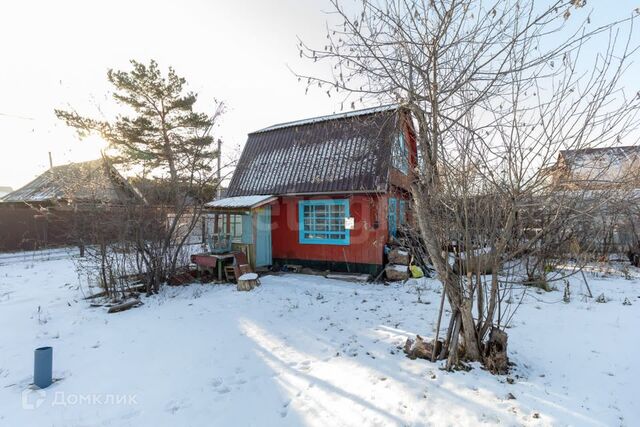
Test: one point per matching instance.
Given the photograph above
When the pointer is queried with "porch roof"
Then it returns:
(241, 202)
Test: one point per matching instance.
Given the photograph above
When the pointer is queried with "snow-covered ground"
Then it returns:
(304, 350)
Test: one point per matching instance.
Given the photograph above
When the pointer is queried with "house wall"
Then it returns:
(364, 252)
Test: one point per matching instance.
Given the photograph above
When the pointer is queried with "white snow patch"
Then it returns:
(305, 350)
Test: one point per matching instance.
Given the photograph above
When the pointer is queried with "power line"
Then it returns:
(13, 116)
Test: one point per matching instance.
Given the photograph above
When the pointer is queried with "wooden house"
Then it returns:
(607, 179)
(326, 192)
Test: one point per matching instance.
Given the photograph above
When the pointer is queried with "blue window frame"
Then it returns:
(321, 222)
(400, 154)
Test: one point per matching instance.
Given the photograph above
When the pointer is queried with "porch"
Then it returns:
(238, 225)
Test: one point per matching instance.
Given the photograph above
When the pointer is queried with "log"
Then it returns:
(396, 272)
(399, 256)
(98, 295)
(348, 277)
(124, 306)
(421, 349)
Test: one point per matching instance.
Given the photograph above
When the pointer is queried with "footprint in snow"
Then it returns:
(172, 407)
(240, 381)
(219, 386)
(130, 414)
(285, 408)
(305, 365)
(223, 390)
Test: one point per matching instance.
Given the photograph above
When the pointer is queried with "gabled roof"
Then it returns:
(347, 152)
(92, 181)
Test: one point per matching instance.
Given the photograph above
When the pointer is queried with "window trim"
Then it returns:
(325, 202)
(400, 153)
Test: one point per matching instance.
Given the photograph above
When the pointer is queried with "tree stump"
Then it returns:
(496, 359)
(247, 282)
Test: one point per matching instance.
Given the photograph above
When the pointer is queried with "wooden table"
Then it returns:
(207, 260)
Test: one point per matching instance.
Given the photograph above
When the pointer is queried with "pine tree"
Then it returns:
(163, 133)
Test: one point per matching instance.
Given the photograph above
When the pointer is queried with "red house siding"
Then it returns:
(367, 239)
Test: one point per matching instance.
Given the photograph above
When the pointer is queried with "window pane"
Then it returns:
(400, 154)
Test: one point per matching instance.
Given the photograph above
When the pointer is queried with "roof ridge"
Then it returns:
(594, 149)
(335, 116)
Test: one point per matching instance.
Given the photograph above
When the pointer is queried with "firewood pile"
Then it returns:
(410, 240)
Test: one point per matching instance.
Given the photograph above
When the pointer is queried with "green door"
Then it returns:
(263, 237)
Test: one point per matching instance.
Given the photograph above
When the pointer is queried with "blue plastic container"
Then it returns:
(42, 366)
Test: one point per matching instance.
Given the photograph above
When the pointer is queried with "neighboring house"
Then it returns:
(598, 168)
(326, 192)
(95, 181)
(4, 191)
(609, 179)
(44, 212)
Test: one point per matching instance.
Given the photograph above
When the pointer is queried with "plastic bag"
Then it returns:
(416, 272)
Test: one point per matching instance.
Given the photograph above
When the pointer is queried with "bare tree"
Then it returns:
(496, 90)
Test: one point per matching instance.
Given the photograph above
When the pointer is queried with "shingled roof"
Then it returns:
(348, 152)
(92, 181)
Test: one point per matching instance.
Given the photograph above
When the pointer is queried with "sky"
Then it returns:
(55, 54)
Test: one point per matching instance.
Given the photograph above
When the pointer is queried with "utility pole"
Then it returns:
(219, 192)
(50, 161)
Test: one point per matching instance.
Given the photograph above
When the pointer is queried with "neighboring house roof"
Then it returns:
(92, 181)
(599, 166)
(240, 202)
(4, 191)
(344, 152)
